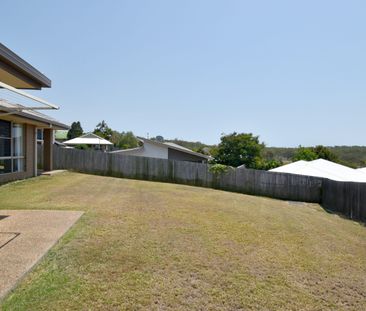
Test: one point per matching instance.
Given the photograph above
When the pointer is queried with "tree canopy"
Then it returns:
(103, 130)
(306, 154)
(75, 130)
(325, 153)
(313, 153)
(239, 149)
(124, 140)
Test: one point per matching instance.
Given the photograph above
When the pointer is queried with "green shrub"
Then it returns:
(218, 168)
(82, 147)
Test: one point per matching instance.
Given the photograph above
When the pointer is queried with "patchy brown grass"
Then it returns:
(154, 246)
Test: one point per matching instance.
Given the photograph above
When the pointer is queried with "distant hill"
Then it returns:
(354, 156)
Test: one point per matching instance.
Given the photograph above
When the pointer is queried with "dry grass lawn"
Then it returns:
(155, 246)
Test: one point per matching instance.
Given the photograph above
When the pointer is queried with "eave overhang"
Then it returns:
(16, 72)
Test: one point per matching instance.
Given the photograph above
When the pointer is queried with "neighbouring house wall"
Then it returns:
(183, 156)
(154, 151)
(147, 150)
(29, 144)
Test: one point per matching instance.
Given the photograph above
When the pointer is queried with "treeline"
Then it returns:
(352, 156)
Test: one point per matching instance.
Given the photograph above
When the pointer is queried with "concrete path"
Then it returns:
(51, 173)
(25, 237)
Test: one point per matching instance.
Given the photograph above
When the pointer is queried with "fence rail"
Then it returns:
(345, 198)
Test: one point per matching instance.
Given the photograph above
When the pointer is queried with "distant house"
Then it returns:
(164, 150)
(91, 140)
(19, 122)
(322, 168)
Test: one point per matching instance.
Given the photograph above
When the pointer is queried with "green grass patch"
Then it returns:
(154, 246)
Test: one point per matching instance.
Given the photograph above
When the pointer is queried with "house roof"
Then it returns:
(166, 145)
(16, 72)
(174, 147)
(29, 116)
(88, 139)
(362, 170)
(322, 168)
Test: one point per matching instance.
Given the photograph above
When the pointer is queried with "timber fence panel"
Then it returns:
(276, 185)
(346, 198)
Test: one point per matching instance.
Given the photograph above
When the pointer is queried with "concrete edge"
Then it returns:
(21, 278)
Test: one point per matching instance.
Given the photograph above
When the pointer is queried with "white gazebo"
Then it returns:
(91, 140)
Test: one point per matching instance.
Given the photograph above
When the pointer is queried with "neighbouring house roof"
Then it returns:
(362, 170)
(174, 146)
(16, 72)
(31, 116)
(88, 139)
(167, 145)
(322, 168)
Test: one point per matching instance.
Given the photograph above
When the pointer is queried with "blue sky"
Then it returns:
(292, 72)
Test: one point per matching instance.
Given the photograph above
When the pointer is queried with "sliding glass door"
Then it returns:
(12, 155)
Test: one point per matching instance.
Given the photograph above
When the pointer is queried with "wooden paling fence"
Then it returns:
(348, 199)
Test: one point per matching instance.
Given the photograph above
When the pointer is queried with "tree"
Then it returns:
(238, 149)
(124, 140)
(203, 150)
(306, 154)
(103, 130)
(159, 138)
(268, 164)
(75, 131)
(313, 153)
(325, 153)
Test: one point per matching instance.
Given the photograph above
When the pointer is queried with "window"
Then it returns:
(39, 134)
(11, 147)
